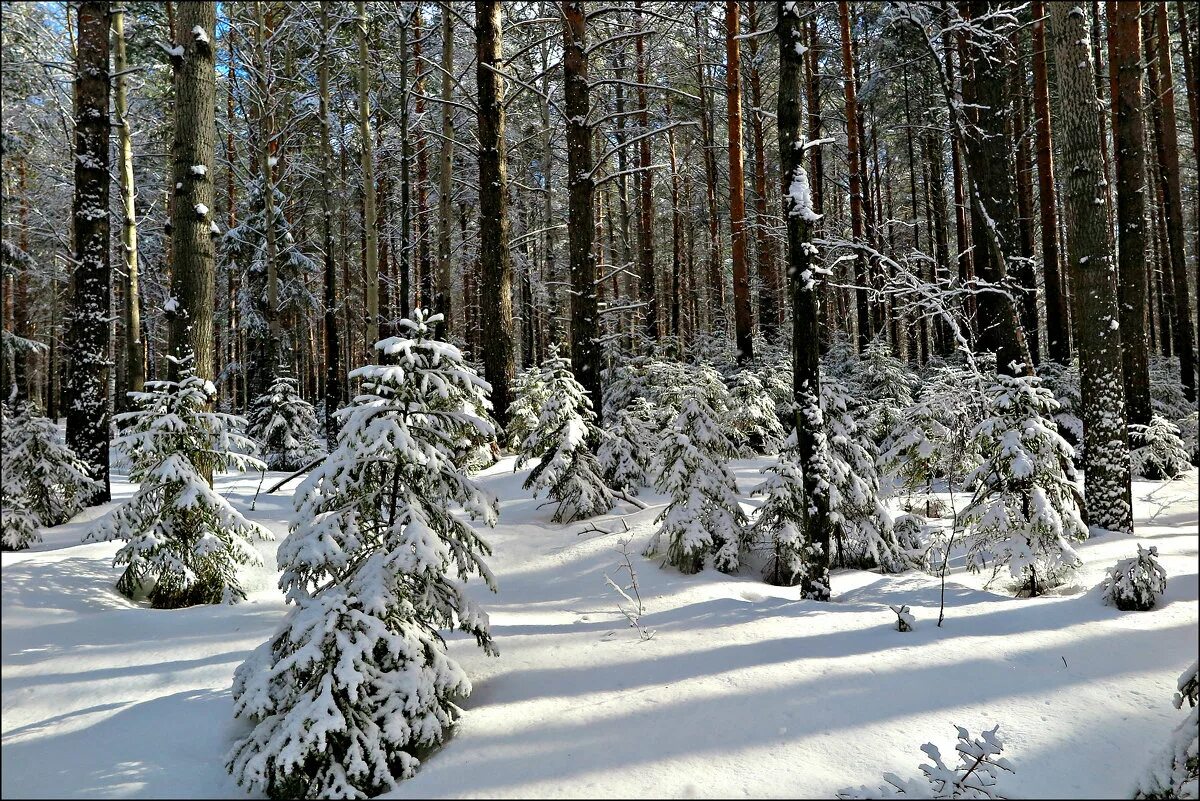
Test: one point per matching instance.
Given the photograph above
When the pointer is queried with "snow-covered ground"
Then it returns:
(743, 690)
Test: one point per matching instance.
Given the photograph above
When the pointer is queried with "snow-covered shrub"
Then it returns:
(1025, 510)
(1156, 450)
(1189, 434)
(183, 541)
(977, 774)
(567, 469)
(1136, 583)
(285, 426)
(904, 618)
(626, 445)
(357, 682)
(1175, 771)
(862, 530)
(43, 483)
(1166, 389)
(703, 515)
(529, 393)
(752, 415)
(887, 386)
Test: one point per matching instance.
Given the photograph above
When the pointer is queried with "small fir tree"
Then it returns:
(1136, 583)
(285, 426)
(887, 387)
(183, 541)
(625, 447)
(753, 416)
(1175, 771)
(1156, 451)
(978, 773)
(863, 533)
(1025, 509)
(44, 483)
(780, 525)
(529, 395)
(357, 682)
(567, 469)
(703, 516)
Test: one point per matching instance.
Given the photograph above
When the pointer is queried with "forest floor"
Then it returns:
(743, 690)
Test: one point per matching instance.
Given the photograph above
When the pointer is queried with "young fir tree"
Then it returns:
(780, 525)
(863, 534)
(886, 385)
(1136, 583)
(1175, 771)
(703, 516)
(183, 541)
(529, 395)
(357, 682)
(567, 469)
(44, 483)
(753, 416)
(1157, 451)
(626, 444)
(285, 425)
(1025, 509)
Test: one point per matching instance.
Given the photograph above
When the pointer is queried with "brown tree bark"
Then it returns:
(806, 371)
(495, 260)
(1024, 269)
(585, 350)
(743, 323)
(855, 159)
(135, 354)
(371, 244)
(1129, 136)
(715, 306)
(1058, 329)
(443, 301)
(769, 306)
(333, 362)
(1106, 451)
(648, 281)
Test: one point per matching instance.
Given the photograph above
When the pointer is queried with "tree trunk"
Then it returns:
(1106, 451)
(806, 371)
(769, 306)
(495, 260)
(1168, 166)
(715, 305)
(87, 413)
(646, 271)
(737, 186)
(585, 350)
(1129, 137)
(444, 300)
(135, 355)
(1025, 274)
(333, 366)
(1058, 336)
(371, 246)
(854, 157)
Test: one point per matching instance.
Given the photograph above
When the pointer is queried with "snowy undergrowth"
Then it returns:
(744, 690)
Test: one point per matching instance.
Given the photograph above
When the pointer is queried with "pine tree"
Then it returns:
(1025, 510)
(862, 525)
(567, 469)
(1136, 583)
(44, 482)
(529, 394)
(886, 385)
(183, 541)
(285, 425)
(626, 445)
(781, 523)
(1175, 771)
(703, 516)
(1157, 451)
(357, 681)
(753, 416)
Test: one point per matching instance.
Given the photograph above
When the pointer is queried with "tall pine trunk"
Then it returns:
(87, 413)
(333, 365)
(371, 234)
(648, 282)
(443, 301)
(854, 156)
(495, 260)
(744, 338)
(135, 353)
(1098, 332)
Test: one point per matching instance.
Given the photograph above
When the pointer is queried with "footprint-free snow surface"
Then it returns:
(743, 690)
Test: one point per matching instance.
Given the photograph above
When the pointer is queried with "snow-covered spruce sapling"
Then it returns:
(1136, 583)
(44, 483)
(703, 516)
(626, 445)
(1175, 771)
(863, 533)
(357, 683)
(567, 469)
(529, 394)
(183, 541)
(1157, 451)
(779, 526)
(752, 415)
(1025, 511)
(285, 426)
(978, 773)
(887, 386)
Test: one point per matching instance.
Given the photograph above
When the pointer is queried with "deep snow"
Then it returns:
(743, 691)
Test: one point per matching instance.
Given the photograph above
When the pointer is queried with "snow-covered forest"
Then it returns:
(600, 399)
